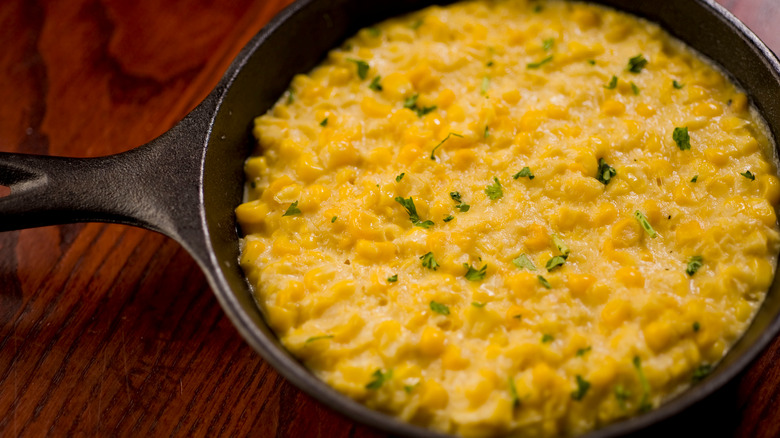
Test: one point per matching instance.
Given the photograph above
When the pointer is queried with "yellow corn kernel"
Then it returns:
(253, 212)
(612, 107)
(605, 214)
(422, 78)
(630, 277)
(761, 210)
(615, 312)
(409, 153)
(372, 108)
(455, 113)
(463, 159)
(523, 285)
(255, 167)
(538, 238)
(432, 341)
(586, 18)
(568, 218)
(251, 252)
(739, 102)
(707, 109)
(396, 85)
(452, 359)
(380, 156)
(291, 293)
(445, 98)
(387, 331)
(281, 319)
(364, 225)
(374, 251)
(479, 393)
(433, 396)
(531, 120)
(688, 233)
(770, 188)
(349, 330)
(626, 232)
(645, 110)
(511, 97)
(604, 374)
(659, 335)
(312, 197)
(556, 112)
(717, 157)
(578, 284)
(283, 246)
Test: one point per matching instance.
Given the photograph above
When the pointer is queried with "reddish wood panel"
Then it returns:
(110, 330)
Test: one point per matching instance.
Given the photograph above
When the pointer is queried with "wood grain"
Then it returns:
(108, 330)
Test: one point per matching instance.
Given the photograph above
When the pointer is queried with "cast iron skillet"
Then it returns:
(186, 183)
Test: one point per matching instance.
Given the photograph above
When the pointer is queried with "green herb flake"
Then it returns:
(449, 218)
(677, 85)
(547, 338)
(489, 64)
(475, 274)
(416, 24)
(622, 395)
(612, 83)
(433, 157)
(645, 404)
(375, 84)
(538, 8)
(555, 262)
(292, 209)
(525, 172)
(463, 207)
(701, 372)
(425, 110)
(440, 308)
(392, 279)
(523, 262)
(682, 138)
(518, 317)
(400, 177)
(494, 191)
(592, 61)
(548, 44)
(408, 204)
(455, 196)
(582, 351)
(429, 262)
(485, 85)
(411, 102)
(379, 378)
(605, 172)
(333, 219)
(635, 89)
(409, 388)
(561, 245)
(543, 281)
(535, 65)
(487, 132)
(478, 305)
(318, 338)
(374, 32)
(696, 326)
(695, 178)
(642, 219)
(637, 63)
(362, 67)
(749, 175)
(694, 263)
(582, 389)
(290, 96)
(513, 393)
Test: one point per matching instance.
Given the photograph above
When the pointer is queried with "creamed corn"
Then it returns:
(511, 217)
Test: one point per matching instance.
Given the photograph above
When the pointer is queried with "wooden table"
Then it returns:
(109, 330)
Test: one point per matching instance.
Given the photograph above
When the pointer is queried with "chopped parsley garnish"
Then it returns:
(433, 157)
(522, 261)
(379, 378)
(547, 338)
(518, 317)
(637, 63)
(538, 8)
(561, 245)
(513, 392)
(592, 61)
(605, 172)
(622, 395)
(412, 211)
(696, 326)
(634, 88)
(524, 172)
(400, 177)
(494, 191)
(486, 134)
(292, 209)
(612, 83)
(428, 261)
(644, 404)
(540, 63)
(479, 305)
(440, 308)
(583, 351)
(449, 218)
(749, 175)
(642, 219)
(489, 64)
(485, 85)
(677, 85)
(543, 281)
(463, 207)
(375, 85)
(582, 389)
(374, 32)
(548, 44)
(416, 24)
(555, 262)
(362, 67)
(475, 274)
(681, 137)
(409, 388)
(425, 110)
(411, 103)
(701, 372)
(455, 196)
(317, 338)
(324, 122)
(392, 279)
(694, 263)
(695, 178)
(333, 219)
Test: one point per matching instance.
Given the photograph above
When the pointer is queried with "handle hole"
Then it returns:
(4, 191)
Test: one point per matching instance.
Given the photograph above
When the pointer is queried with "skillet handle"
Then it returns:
(156, 186)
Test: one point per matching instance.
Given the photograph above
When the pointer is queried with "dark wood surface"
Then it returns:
(108, 330)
